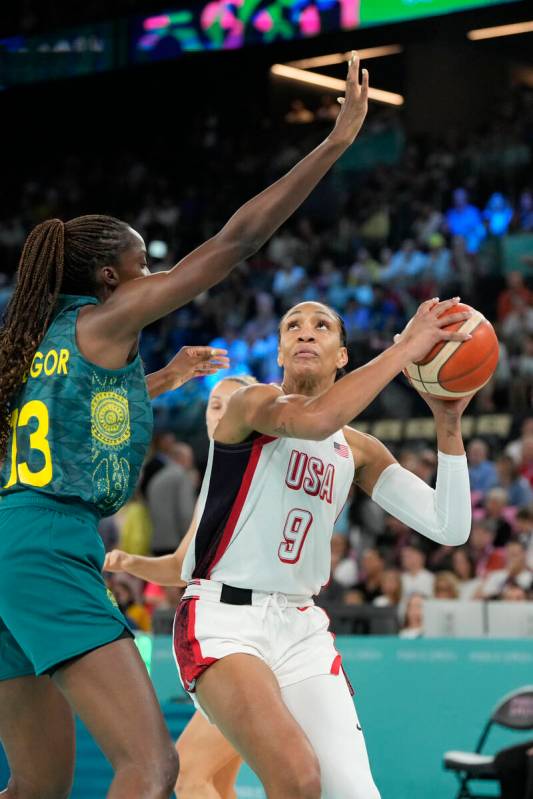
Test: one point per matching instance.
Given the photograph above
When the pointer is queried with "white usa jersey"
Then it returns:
(266, 513)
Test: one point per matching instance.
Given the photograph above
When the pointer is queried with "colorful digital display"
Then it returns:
(231, 24)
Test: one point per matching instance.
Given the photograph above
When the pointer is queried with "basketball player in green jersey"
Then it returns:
(75, 423)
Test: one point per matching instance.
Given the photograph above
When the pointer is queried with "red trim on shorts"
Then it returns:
(187, 650)
(306, 608)
(336, 665)
(240, 499)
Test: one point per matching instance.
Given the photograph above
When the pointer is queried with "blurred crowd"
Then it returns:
(399, 219)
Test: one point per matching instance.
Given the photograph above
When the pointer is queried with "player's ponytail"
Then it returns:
(27, 316)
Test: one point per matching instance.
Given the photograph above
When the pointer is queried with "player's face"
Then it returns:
(310, 341)
(133, 261)
(218, 402)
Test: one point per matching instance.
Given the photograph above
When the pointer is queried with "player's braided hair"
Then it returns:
(57, 257)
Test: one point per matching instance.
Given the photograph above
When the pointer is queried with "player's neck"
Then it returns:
(308, 385)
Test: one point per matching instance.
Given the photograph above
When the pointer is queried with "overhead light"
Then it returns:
(339, 58)
(327, 82)
(500, 30)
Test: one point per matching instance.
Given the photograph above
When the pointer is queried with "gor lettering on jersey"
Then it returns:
(51, 363)
(309, 473)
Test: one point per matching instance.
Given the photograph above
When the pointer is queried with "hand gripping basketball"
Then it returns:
(428, 327)
(463, 358)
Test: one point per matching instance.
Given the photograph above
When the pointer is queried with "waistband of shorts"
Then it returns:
(34, 499)
(213, 591)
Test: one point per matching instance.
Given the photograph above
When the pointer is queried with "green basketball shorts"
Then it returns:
(54, 604)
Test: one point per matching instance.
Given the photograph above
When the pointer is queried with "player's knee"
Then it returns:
(155, 777)
(302, 779)
(191, 786)
(163, 773)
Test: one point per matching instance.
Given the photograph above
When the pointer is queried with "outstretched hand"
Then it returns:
(354, 104)
(192, 362)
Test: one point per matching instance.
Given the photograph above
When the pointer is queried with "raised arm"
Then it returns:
(442, 514)
(136, 303)
(265, 410)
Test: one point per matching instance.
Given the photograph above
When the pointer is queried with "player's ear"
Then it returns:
(342, 358)
(280, 357)
(109, 276)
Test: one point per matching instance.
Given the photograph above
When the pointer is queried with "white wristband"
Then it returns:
(444, 515)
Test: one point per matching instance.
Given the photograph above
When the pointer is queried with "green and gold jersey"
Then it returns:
(79, 431)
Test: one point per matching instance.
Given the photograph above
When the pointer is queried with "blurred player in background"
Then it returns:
(208, 763)
(253, 650)
(75, 425)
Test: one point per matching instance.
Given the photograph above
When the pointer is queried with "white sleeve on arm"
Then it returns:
(443, 514)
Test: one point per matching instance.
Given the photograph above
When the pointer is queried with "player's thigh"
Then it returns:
(242, 696)
(324, 708)
(37, 733)
(203, 750)
(110, 690)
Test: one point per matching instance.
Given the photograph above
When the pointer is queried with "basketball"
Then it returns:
(455, 369)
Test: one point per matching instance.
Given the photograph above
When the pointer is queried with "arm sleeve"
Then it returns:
(443, 514)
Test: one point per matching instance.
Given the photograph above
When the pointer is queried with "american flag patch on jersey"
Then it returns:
(341, 449)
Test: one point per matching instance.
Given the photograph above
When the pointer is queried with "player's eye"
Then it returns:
(292, 325)
(322, 324)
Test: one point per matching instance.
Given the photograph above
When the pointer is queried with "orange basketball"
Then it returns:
(455, 369)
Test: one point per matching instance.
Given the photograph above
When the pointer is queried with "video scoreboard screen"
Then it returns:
(231, 24)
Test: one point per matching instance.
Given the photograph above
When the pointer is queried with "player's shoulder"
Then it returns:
(256, 392)
(362, 444)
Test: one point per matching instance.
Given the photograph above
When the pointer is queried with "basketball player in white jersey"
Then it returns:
(253, 651)
(208, 763)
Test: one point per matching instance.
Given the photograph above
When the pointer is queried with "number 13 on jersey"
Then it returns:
(20, 471)
(295, 532)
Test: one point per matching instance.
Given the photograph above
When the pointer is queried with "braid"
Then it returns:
(39, 277)
(57, 257)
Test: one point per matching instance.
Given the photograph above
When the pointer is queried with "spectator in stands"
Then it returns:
(514, 593)
(518, 490)
(526, 464)
(391, 589)
(482, 550)
(446, 586)
(516, 288)
(171, 498)
(514, 448)
(524, 532)
(416, 579)
(162, 444)
(464, 570)
(482, 471)
(394, 536)
(498, 214)
(465, 221)
(522, 385)
(496, 515)
(524, 215)
(344, 571)
(516, 571)
(369, 585)
(406, 265)
(414, 617)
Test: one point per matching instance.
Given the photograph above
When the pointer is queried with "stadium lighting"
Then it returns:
(327, 82)
(500, 30)
(339, 58)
